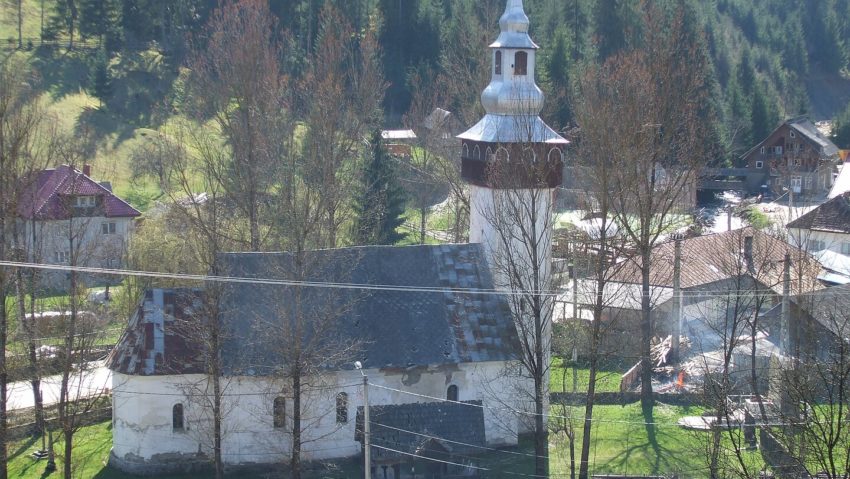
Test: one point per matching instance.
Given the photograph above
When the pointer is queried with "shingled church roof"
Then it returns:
(403, 307)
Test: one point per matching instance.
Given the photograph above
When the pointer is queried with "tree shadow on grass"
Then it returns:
(62, 72)
(659, 450)
(651, 434)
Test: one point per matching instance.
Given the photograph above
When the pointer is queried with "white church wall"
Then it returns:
(143, 435)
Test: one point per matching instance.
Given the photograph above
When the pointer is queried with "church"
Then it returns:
(432, 329)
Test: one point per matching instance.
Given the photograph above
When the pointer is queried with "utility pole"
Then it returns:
(367, 456)
(784, 340)
(367, 453)
(677, 300)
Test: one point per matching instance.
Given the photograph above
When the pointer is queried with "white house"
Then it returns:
(826, 227)
(68, 218)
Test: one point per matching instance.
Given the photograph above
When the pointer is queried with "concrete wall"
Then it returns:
(145, 442)
(807, 239)
(49, 241)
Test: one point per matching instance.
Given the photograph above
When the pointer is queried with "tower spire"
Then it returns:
(514, 19)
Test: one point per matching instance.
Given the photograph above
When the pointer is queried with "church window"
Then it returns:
(498, 62)
(177, 417)
(502, 154)
(452, 393)
(279, 412)
(521, 63)
(555, 155)
(342, 408)
(476, 153)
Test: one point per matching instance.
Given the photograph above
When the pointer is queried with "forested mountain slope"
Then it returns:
(769, 59)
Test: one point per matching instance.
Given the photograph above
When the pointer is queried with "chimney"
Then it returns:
(748, 253)
(87, 170)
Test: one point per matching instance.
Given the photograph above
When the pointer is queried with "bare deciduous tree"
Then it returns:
(23, 131)
(340, 95)
(238, 80)
(652, 112)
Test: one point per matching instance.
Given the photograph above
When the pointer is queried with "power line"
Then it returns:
(201, 394)
(748, 293)
(455, 442)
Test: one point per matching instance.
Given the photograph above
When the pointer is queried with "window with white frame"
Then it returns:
(108, 228)
(759, 164)
(62, 257)
(793, 135)
(816, 245)
(796, 184)
(809, 181)
(85, 201)
(762, 150)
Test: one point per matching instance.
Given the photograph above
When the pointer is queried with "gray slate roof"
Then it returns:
(808, 129)
(830, 307)
(395, 329)
(458, 422)
(834, 216)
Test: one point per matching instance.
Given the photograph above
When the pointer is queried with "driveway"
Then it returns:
(94, 382)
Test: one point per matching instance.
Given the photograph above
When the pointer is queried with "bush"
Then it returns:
(756, 218)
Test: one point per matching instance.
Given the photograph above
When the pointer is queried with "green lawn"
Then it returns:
(622, 444)
(576, 377)
(91, 452)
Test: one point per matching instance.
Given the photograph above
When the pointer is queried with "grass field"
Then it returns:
(576, 377)
(622, 444)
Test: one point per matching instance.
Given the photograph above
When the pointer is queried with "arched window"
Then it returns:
(465, 153)
(451, 393)
(279, 412)
(521, 63)
(498, 62)
(341, 408)
(476, 153)
(555, 155)
(177, 417)
(502, 154)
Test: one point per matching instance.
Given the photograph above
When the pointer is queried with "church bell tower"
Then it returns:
(511, 149)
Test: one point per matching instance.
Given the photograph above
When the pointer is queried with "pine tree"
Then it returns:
(557, 77)
(379, 205)
(101, 79)
(614, 20)
(764, 115)
(841, 129)
(101, 19)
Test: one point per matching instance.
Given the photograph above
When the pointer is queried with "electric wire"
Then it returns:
(748, 293)
(441, 439)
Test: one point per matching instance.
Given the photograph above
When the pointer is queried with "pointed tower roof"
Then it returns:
(513, 100)
(514, 24)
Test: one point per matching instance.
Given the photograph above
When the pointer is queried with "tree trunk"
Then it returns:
(4, 325)
(217, 418)
(35, 379)
(4, 377)
(584, 467)
(423, 221)
(20, 23)
(72, 7)
(541, 431)
(646, 399)
(295, 462)
(331, 227)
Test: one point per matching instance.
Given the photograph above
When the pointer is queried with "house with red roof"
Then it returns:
(67, 218)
